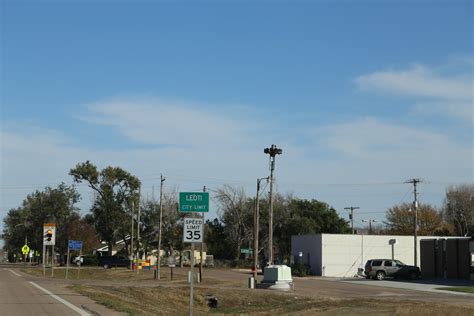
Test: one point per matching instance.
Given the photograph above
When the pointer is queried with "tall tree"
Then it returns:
(171, 225)
(236, 216)
(458, 209)
(116, 190)
(216, 240)
(306, 217)
(56, 205)
(83, 229)
(292, 216)
(401, 220)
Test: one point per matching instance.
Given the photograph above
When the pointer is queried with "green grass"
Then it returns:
(464, 289)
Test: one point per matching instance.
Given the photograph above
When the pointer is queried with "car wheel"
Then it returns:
(106, 266)
(380, 275)
(413, 275)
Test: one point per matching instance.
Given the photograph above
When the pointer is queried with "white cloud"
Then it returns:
(161, 122)
(387, 149)
(418, 81)
(462, 111)
(231, 151)
(445, 91)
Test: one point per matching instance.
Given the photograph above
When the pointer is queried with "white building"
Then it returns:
(337, 255)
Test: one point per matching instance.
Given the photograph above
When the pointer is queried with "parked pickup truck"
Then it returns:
(113, 261)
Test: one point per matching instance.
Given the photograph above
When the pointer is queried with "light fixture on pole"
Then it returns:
(370, 221)
(272, 151)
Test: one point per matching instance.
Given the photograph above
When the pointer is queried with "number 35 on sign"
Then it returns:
(192, 231)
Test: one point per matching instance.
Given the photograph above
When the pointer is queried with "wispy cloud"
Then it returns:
(445, 91)
(159, 122)
(368, 137)
(418, 81)
(462, 111)
(373, 148)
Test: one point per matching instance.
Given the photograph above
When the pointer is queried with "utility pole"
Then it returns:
(138, 229)
(162, 179)
(351, 216)
(256, 226)
(370, 221)
(201, 253)
(131, 238)
(415, 222)
(272, 151)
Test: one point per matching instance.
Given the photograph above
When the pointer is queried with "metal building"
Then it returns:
(338, 255)
(448, 258)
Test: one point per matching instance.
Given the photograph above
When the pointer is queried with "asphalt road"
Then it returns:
(22, 295)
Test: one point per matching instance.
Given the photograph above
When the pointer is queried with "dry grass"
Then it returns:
(125, 291)
(175, 301)
(97, 273)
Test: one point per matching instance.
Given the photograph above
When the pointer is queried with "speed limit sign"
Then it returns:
(192, 231)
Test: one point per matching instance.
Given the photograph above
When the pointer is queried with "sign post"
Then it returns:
(72, 245)
(49, 239)
(190, 202)
(25, 250)
(192, 233)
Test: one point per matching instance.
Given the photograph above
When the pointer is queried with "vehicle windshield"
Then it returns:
(399, 263)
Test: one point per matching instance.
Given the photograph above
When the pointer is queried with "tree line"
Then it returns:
(117, 199)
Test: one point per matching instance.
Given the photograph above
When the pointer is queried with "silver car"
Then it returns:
(379, 269)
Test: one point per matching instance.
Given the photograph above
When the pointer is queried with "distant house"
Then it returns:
(152, 254)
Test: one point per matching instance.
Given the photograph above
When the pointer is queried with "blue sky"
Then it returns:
(361, 96)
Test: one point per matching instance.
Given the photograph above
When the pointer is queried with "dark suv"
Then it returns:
(378, 269)
(113, 261)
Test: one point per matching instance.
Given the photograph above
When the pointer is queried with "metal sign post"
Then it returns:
(72, 245)
(67, 263)
(49, 239)
(44, 260)
(80, 263)
(190, 202)
(191, 295)
(192, 233)
(52, 261)
(25, 250)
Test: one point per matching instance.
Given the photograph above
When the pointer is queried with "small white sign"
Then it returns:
(192, 230)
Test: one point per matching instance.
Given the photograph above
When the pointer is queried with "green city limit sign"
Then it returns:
(194, 201)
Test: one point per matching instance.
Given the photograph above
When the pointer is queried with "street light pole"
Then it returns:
(370, 221)
(162, 179)
(256, 226)
(138, 229)
(415, 226)
(272, 151)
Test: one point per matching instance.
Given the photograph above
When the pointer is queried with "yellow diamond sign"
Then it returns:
(25, 249)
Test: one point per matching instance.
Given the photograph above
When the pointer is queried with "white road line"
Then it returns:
(75, 308)
(15, 273)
